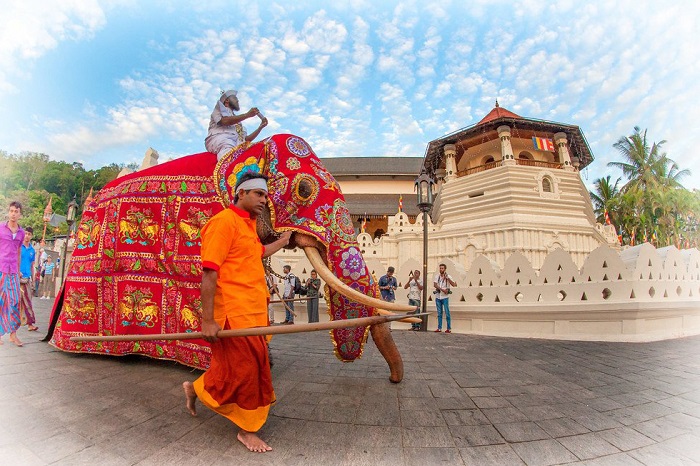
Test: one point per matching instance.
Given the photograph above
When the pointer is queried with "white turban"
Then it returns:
(254, 183)
(226, 94)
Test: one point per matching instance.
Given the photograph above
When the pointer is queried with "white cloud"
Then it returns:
(370, 78)
(29, 28)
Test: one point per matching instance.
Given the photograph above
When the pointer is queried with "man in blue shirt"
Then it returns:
(387, 285)
(27, 269)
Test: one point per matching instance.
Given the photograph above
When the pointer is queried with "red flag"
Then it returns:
(364, 223)
(400, 203)
(607, 217)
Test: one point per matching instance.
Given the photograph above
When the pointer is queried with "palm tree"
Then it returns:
(646, 167)
(605, 197)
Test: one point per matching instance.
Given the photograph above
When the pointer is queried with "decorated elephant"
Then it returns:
(136, 267)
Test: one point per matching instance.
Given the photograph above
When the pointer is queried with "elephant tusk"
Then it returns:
(335, 283)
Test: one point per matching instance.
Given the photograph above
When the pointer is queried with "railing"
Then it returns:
(525, 162)
(538, 163)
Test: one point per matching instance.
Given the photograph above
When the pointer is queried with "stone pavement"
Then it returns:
(465, 400)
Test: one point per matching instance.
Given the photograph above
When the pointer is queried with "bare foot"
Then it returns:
(252, 442)
(190, 397)
(15, 340)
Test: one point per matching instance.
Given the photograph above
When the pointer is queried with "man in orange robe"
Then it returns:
(238, 383)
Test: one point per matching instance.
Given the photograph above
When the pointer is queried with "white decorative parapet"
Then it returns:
(641, 294)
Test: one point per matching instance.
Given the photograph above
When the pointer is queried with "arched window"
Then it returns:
(525, 156)
(546, 185)
(488, 159)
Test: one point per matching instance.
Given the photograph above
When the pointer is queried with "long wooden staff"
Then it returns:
(254, 331)
(282, 300)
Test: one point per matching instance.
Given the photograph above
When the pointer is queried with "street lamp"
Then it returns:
(424, 188)
(70, 219)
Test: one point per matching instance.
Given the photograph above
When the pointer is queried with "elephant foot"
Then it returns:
(381, 335)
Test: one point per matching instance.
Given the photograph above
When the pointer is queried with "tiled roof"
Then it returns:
(380, 204)
(373, 166)
(496, 113)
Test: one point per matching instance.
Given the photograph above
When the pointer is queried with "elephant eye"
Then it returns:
(305, 189)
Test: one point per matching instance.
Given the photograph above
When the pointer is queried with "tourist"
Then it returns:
(288, 294)
(442, 283)
(388, 285)
(313, 284)
(48, 279)
(414, 285)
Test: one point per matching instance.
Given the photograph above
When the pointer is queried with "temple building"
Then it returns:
(511, 184)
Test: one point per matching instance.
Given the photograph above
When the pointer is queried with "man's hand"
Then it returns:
(209, 329)
(263, 123)
(252, 112)
(285, 237)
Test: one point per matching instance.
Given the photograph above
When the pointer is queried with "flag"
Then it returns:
(644, 238)
(619, 235)
(633, 237)
(364, 223)
(543, 143)
(653, 237)
(400, 203)
(607, 217)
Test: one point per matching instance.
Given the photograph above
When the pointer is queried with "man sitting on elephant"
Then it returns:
(225, 127)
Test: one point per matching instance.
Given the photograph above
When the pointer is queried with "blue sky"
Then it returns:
(101, 81)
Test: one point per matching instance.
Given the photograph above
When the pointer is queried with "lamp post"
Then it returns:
(70, 219)
(424, 188)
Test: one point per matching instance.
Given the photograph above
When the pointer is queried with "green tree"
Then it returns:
(653, 200)
(605, 197)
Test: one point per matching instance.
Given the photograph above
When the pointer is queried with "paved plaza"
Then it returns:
(465, 400)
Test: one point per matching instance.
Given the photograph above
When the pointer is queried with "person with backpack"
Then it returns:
(289, 282)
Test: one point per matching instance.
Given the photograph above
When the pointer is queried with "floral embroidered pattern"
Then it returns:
(298, 147)
(352, 264)
(293, 164)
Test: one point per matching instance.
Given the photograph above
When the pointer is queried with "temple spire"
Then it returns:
(497, 103)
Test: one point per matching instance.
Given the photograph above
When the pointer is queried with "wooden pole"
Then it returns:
(281, 300)
(254, 331)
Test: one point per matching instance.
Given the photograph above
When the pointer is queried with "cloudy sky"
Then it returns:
(101, 81)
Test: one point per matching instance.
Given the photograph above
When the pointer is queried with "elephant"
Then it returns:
(143, 250)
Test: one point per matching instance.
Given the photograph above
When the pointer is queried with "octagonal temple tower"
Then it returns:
(511, 184)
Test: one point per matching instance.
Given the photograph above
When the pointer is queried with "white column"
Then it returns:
(450, 162)
(506, 148)
(564, 156)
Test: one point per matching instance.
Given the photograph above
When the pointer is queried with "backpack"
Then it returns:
(298, 289)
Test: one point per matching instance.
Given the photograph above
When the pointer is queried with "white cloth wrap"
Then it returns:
(255, 183)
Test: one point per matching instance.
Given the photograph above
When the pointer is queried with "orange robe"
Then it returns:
(238, 383)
